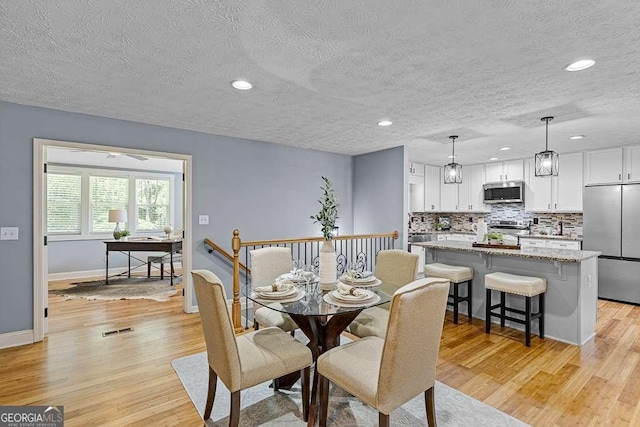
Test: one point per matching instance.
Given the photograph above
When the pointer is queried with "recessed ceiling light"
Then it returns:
(385, 123)
(241, 84)
(505, 148)
(451, 157)
(493, 158)
(576, 137)
(583, 64)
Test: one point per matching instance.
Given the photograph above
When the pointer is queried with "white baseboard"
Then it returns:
(194, 308)
(14, 339)
(87, 273)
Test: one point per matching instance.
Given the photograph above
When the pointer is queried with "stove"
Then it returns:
(515, 228)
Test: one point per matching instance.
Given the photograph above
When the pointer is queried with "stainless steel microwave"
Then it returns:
(504, 192)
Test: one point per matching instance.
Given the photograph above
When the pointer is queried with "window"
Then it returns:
(64, 207)
(106, 192)
(152, 201)
(79, 200)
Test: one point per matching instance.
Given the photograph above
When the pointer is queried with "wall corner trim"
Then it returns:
(14, 339)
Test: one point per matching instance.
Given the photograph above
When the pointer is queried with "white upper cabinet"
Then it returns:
(568, 184)
(631, 164)
(510, 170)
(431, 188)
(416, 169)
(493, 172)
(562, 193)
(449, 197)
(603, 167)
(466, 196)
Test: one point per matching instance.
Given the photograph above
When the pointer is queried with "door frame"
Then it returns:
(40, 250)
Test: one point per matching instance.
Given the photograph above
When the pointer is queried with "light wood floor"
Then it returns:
(127, 379)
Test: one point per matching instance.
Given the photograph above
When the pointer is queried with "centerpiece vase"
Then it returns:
(328, 266)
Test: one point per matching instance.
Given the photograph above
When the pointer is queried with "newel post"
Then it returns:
(236, 309)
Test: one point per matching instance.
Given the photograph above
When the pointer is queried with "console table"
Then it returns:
(169, 246)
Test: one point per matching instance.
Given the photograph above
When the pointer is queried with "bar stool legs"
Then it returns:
(457, 299)
(528, 315)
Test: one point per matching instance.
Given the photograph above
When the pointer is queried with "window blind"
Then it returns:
(64, 203)
(152, 202)
(105, 193)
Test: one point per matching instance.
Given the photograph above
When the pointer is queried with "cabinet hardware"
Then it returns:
(555, 206)
(549, 206)
(506, 177)
(619, 177)
(500, 177)
(628, 176)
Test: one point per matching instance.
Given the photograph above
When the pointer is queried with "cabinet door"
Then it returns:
(416, 169)
(513, 170)
(493, 171)
(538, 190)
(420, 251)
(476, 181)
(448, 197)
(464, 204)
(631, 164)
(568, 184)
(603, 167)
(416, 197)
(533, 243)
(431, 188)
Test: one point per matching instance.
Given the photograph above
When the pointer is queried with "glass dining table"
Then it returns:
(322, 319)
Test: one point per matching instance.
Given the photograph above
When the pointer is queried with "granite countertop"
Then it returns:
(564, 255)
(523, 236)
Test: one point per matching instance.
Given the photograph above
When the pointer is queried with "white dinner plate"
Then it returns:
(376, 282)
(331, 300)
(366, 295)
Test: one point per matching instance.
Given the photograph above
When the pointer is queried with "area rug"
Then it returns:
(261, 406)
(121, 288)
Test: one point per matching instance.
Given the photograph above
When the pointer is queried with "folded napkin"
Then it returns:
(284, 285)
(350, 290)
(361, 274)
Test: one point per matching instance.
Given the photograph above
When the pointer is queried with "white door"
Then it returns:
(493, 172)
(431, 188)
(603, 166)
(568, 184)
(538, 191)
(513, 170)
(448, 197)
(476, 181)
(631, 164)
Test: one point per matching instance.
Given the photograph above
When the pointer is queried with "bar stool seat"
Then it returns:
(513, 284)
(526, 286)
(456, 274)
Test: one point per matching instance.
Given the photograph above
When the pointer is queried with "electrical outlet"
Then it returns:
(8, 233)
(203, 220)
(535, 221)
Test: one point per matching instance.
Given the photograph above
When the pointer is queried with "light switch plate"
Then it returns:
(8, 233)
(203, 220)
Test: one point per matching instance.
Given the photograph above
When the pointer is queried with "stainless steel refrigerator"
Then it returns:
(612, 226)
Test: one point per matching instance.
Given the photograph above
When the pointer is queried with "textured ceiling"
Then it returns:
(325, 71)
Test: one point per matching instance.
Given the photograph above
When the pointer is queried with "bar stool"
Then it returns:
(525, 286)
(456, 275)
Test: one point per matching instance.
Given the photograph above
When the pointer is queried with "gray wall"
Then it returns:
(265, 190)
(86, 255)
(379, 193)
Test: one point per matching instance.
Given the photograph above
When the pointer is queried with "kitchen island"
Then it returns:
(571, 301)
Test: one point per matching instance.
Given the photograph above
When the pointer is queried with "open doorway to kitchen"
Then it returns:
(86, 195)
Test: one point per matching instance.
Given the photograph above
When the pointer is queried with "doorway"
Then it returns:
(102, 162)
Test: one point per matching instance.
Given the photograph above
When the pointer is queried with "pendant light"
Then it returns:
(547, 161)
(453, 171)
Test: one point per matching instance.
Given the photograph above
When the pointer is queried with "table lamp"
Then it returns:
(117, 216)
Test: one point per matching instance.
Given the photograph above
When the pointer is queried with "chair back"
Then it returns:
(269, 263)
(396, 268)
(222, 349)
(410, 353)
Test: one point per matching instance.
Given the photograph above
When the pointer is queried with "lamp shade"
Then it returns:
(117, 215)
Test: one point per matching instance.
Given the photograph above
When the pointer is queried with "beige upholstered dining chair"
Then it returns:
(246, 360)
(395, 268)
(266, 265)
(386, 373)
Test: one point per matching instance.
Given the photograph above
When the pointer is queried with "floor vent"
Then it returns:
(117, 331)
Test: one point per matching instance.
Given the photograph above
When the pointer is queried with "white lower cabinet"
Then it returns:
(554, 244)
(533, 243)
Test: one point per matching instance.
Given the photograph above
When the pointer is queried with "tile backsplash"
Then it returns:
(461, 222)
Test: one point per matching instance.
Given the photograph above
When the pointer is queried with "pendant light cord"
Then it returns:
(546, 142)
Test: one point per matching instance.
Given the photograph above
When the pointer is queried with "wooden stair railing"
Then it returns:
(213, 246)
(237, 244)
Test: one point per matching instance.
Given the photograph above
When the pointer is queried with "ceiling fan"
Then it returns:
(115, 154)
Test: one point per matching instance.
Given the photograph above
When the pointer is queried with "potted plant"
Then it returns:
(493, 238)
(121, 235)
(327, 218)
